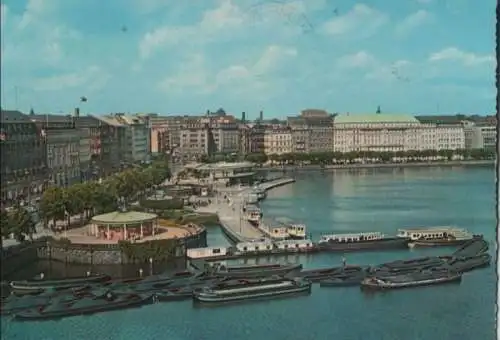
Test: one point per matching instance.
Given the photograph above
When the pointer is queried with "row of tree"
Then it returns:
(84, 199)
(330, 158)
(18, 222)
(90, 198)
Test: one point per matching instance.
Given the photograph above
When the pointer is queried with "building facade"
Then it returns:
(479, 136)
(312, 131)
(277, 140)
(392, 133)
(62, 142)
(23, 161)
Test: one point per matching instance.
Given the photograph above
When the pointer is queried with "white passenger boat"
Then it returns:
(253, 289)
(253, 214)
(435, 236)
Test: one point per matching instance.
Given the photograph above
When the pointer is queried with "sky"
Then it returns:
(186, 57)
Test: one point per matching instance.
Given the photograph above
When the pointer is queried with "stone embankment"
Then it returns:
(379, 166)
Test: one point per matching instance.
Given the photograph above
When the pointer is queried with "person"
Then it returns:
(42, 275)
(343, 261)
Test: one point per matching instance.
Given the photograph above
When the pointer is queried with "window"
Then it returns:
(216, 251)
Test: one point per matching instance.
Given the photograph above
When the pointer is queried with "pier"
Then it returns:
(231, 218)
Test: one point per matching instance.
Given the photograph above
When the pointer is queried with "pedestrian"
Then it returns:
(343, 261)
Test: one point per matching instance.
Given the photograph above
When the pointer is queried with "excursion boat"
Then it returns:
(252, 271)
(465, 264)
(40, 284)
(253, 289)
(361, 241)
(471, 248)
(435, 236)
(253, 214)
(259, 193)
(297, 231)
(411, 280)
(61, 308)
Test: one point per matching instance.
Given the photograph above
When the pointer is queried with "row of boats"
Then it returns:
(52, 299)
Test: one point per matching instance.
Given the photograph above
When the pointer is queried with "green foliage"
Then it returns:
(328, 158)
(94, 198)
(18, 221)
(159, 205)
(159, 250)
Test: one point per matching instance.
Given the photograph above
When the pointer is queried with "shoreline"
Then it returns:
(379, 166)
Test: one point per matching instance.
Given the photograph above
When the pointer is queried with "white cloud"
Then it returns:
(91, 79)
(362, 59)
(360, 20)
(457, 55)
(411, 22)
(194, 75)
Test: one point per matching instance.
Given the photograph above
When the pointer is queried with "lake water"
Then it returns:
(366, 200)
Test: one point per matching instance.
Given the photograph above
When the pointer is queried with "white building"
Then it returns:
(392, 133)
(479, 136)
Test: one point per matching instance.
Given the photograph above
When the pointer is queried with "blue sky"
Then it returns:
(177, 57)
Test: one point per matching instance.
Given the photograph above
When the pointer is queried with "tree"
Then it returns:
(21, 223)
(52, 204)
(5, 224)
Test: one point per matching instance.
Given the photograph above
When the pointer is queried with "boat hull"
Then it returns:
(199, 297)
(437, 243)
(369, 284)
(36, 286)
(348, 282)
(261, 272)
(386, 243)
(139, 301)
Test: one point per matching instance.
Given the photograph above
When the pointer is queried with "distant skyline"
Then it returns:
(420, 57)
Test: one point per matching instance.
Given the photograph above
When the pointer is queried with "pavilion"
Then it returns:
(119, 226)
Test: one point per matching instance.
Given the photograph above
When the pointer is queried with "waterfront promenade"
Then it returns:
(230, 211)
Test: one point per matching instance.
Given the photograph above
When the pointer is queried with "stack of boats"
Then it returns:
(41, 299)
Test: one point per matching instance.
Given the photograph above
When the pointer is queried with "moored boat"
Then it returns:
(253, 214)
(423, 278)
(361, 241)
(39, 284)
(435, 236)
(473, 247)
(253, 289)
(317, 275)
(465, 264)
(251, 271)
(421, 263)
(346, 281)
(61, 309)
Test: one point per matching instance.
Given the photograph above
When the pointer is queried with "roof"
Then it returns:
(13, 116)
(110, 120)
(224, 165)
(374, 118)
(118, 217)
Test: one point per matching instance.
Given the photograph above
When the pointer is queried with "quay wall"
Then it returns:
(47, 248)
(280, 168)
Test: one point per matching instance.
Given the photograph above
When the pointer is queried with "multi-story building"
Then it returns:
(256, 138)
(479, 136)
(160, 141)
(312, 131)
(277, 140)
(23, 162)
(62, 143)
(225, 134)
(137, 138)
(391, 132)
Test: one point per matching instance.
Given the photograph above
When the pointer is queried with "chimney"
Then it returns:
(243, 117)
(261, 115)
(77, 112)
